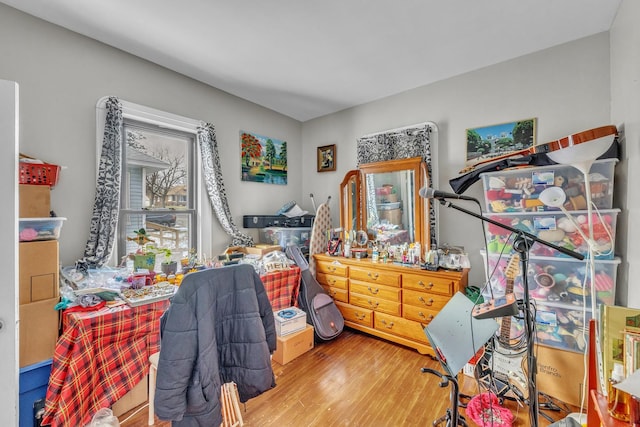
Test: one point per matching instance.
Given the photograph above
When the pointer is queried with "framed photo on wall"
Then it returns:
(485, 143)
(327, 158)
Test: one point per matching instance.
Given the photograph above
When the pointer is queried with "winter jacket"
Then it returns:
(219, 328)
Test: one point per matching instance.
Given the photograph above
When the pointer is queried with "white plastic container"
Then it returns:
(289, 320)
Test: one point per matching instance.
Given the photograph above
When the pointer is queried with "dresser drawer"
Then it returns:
(373, 303)
(436, 285)
(390, 293)
(424, 299)
(331, 268)
(332, 280)
(389, 278)
(337, 294)
(419, 314)
(401, 327)
(355, 314)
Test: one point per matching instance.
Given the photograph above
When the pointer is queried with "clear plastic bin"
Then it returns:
(517, 190)
(554, 280)
(40, 228)
(285, 236)
(556, 228)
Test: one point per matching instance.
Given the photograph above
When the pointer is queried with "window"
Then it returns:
(158, 189)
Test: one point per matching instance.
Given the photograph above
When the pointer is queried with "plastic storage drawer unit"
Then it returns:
(557, 280)
(556, 228)
(517, 190)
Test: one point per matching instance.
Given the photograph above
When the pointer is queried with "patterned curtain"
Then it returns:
(215, 184)
(413, 141)
(104, 220)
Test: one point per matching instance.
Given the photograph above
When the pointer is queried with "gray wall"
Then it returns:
(625, 113)
(62, 75)
(566, 88)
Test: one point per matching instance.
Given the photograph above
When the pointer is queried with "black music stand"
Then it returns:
(469, 335)
(522, 244)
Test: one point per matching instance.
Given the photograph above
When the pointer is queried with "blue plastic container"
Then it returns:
(34, 380)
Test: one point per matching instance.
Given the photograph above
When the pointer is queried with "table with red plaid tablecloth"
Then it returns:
(99, 357)
(282, 287)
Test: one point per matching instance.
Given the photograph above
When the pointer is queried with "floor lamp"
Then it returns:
(580, 151)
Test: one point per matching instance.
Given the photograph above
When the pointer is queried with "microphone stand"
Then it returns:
(522, 244)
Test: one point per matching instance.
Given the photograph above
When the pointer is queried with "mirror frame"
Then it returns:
(354, 180)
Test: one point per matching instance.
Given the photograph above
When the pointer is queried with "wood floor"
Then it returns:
(355, 380)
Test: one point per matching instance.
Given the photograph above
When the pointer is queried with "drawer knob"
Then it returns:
(429, 303)
(359, 316)
(331, 269)
(428, 286)
(373, 276)
(332, 281)
(387, 325)
(429, 317)
(373, 304)
(373, 291)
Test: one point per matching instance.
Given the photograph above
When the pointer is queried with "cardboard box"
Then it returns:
(35, 201)
(293, 345)
(289, 320)
(134, 398)
(560, 374)
(38, 263)
(38, 331)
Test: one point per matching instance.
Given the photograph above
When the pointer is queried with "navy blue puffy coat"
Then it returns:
(219, 328)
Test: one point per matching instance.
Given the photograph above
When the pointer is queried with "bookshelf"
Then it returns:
(597, 406)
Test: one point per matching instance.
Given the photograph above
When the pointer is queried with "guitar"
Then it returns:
(559, 144)
(500, 367)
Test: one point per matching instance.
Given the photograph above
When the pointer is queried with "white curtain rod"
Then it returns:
(431, 125)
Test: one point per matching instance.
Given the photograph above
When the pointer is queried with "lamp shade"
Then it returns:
(583, 146)
(553, 197)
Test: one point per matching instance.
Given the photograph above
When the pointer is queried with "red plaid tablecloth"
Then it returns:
(282, 287)
(99, 357)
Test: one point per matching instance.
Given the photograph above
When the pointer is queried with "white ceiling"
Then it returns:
(307, 58)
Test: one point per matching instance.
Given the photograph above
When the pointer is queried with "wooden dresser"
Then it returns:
(387, 300)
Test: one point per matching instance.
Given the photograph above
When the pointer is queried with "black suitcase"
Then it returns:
(322, 312)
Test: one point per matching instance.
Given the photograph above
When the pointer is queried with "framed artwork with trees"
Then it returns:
(484, 143)
(264, 159)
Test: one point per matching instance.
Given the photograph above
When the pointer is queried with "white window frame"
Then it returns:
(159, 118)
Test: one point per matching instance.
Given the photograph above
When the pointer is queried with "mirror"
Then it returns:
(383, 198)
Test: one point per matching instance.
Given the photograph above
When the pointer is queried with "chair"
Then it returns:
(153, 370)
(231, 414)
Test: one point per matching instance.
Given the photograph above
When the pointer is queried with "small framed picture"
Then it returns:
(327, 158)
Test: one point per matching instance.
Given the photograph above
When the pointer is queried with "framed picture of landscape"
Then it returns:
(485, 143)
(264, 159)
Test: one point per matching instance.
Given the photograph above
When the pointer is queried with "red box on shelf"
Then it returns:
(38, 174)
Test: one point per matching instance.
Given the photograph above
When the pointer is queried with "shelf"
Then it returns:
(600, 405)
